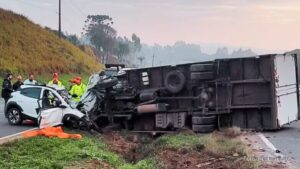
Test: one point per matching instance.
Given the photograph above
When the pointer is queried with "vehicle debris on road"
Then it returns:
(51, 132)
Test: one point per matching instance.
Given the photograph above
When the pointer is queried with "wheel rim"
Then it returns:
(174, 81)
(14, 116)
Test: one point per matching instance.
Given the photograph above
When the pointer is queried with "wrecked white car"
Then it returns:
(45, 105)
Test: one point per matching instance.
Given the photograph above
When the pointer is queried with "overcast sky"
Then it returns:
(266, 24)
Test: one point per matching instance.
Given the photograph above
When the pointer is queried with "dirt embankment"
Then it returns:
(219, 150)
(136, 147)
(127, 146)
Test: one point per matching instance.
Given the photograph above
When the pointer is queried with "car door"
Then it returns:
(50, 117)
(28, 101)
(50, 113)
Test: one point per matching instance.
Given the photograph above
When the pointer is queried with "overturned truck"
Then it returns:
(259, 93)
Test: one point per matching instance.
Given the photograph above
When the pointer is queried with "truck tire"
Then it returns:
(146, 96)
(107, 83)
(201, 67)
(202, 75)
(203, 120)
(203, 128)
(174, 81)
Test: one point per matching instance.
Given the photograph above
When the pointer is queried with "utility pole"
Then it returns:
(59, 18)
(153, 60)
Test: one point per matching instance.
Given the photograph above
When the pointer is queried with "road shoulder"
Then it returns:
(265, 153)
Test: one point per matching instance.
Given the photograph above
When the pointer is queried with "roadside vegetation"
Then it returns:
(128, 151)
(27, 47)
(48, 153)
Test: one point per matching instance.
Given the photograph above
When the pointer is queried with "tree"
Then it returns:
(136, 42)
(141, 59)
(100, 32)
(122, 49)
(70, 37)
(73, 39)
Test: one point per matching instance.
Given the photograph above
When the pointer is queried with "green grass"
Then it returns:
(44, 153)
(179, 141)
(211, 142)
(41, 152)
(149, 163)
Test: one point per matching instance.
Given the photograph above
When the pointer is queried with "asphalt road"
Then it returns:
(287, 140)
(7, 129)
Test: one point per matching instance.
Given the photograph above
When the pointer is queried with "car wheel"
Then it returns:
(203, 120)
(201, 67)
(14, 116)
(71, 122)
(174, 81)
(203, 128)
(202, 75)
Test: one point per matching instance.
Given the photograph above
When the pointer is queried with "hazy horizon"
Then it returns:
(267, 25)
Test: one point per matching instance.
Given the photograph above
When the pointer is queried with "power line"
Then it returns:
(56, 12)
(77, 8)
(59, 18)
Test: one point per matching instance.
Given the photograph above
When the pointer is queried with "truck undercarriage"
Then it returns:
(202, 96)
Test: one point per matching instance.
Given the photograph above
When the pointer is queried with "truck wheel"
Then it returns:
(203, 120)
(14, 116)
(174, 81)
(203, 128)
(201, 67)
(202, 75)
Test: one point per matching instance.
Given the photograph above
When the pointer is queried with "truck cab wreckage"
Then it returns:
(259, 93)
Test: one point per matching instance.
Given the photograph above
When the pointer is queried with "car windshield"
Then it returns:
(63, 93)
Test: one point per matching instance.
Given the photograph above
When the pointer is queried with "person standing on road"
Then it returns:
(30, 80)
(18, 83)
(7, 88)
(55, 81)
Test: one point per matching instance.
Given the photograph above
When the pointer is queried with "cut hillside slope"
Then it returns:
(27, 47)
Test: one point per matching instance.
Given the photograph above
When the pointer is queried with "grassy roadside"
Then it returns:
(48, 153)
(188, 150)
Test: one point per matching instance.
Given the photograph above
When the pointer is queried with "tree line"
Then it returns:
(98, 32)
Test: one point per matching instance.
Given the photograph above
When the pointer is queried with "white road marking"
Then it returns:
(270, 145)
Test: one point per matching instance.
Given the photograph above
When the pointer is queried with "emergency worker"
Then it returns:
(55, 81)
(78, 89)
